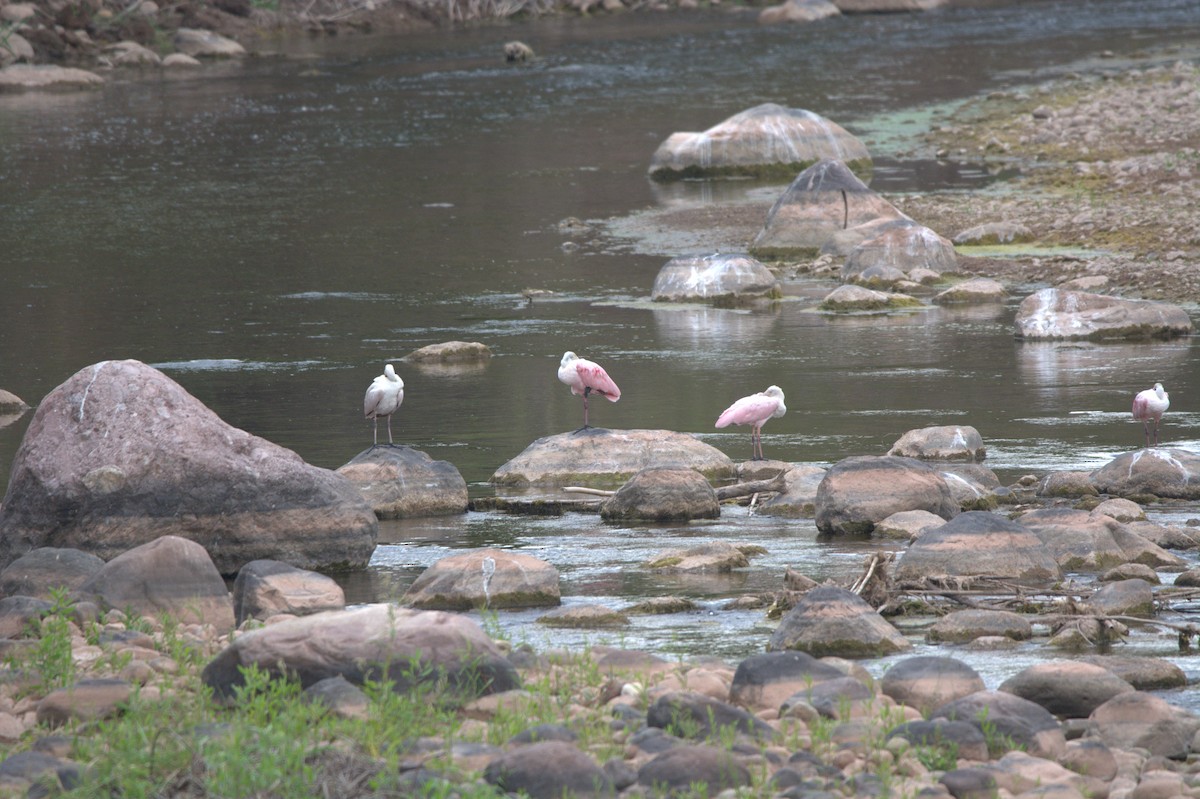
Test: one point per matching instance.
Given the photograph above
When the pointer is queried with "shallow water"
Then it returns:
(270, 234)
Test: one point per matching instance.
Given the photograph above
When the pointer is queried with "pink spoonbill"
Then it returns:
(755, 410)
(1150, 405)
(585, 377)
(383, 398)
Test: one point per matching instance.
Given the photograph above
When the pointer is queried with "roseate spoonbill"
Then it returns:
(1149, 405)
(584, 378)
(755, 410)
(383, 398)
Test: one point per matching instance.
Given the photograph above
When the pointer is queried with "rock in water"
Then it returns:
(402, 483)
(1058, 314)
(120, 455)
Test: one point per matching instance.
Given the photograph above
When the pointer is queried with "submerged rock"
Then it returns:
(721, 278)
(766, 139)
(403, 483)
(717, 556)
(1057, 314)
(450, 352)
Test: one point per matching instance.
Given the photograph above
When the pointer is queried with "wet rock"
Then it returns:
(823, 199)
(907, 525)
(980, 544)
(85, 700)
(585, 617)
(1010, 719)
(450, 352)
(682, 768)
(859, 298)
(1083, 542)
(844, 241)
(1161, 472)
(765, 139)
(660, 605)
(927, 682)
(717, 556)
(763, 682)
(403, 483)
(1130, 571)
(1123, 510)
(92, 477)
(833, 621)
(995, 233)
(610, 457)
(37, 572)
(1143, 672)
(548, 770)
(976, 291)
(37, 77)
(904, 248)
(266, 588)
(1189, 578)
(720, 278)
(11, 403)
(961, 626)
(663, 494)
(973, 486)
(797, 11)
(799, 496)
(170, 576)
(179, 60)
(1067, 484)
(485, 578)
(861, 491)
(1067, 689)
(1056, 314)
(1138, 719)
(945, 443)
(1124, 598)
(688, 714)
(206, 44)
(131, 54)
(517, 52)
(373, 642)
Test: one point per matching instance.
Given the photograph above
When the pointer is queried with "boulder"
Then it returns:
(905, 248)
(1057, 314)
(945, 443)
(799, 496)
(548, 770)
(797, 11)
(687, 714)
(844, 241)
(39, 571)
(927, 682)
(1123, 510)
(859, 492)
(486, 578)
(663, 494)
(1068, 689)
(1161, 472)
(1066, 484)
(1130, 571)
(907, 525)
(132, 54)
(823, 199)
(682, 769)
(403, 483)
(1124, 598)
(859, 298)
(995, 233)
(765, 140)
(1083, 542)
(975, 291)
(720, 278)
(979, 544)
(450, 352)
(716, 556)
(206, 44)
(610, 457)
(965, 739)
(1008, 721)
(36, 77)
(120, 455)
(266, 588)
(85, 700)
(973, 486)
(11, 403)
(961, 626)
(831, 621)
(170, 576)
(1139, 719)
(878, 276)
(763, 682)
(373, 642)
(585, 617)
(1143, 672)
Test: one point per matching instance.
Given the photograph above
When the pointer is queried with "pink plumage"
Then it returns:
(1149, 406)
(585, 377)
(755, 410)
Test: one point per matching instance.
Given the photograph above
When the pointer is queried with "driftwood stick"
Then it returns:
(775, 484)
(600, 492)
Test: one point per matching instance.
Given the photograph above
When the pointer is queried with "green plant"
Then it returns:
(997, 742)
(49, 660)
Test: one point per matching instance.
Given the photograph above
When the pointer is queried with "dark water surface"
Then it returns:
(270, 234)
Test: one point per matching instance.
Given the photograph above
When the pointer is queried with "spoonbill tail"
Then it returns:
(755, 410)
(383, 398)
(584, 378)
(1150, 405)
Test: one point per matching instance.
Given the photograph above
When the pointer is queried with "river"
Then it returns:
(269, 234)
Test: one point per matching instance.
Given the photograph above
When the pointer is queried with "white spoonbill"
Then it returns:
(1150, 405)
(755, 410)
(383, 398)
(584, 378)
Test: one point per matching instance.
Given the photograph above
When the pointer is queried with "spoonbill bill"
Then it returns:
(383, 398)
(755, 410)
(1150, 405)
(585, 378)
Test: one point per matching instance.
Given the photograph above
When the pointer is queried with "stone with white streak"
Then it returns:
(713, 278)
(943, 443)
(1161, 472)
(1057, 314)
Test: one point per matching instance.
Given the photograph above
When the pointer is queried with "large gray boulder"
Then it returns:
(765, 140)
(979, 544)
(831, 621)
(927, 682)
(823, 199)
(597, 456)
(859, 492)
(721, 278)
(942, 443)
(904, 248)
(663, 494)
(403, 483)
(486, 578)
(120, 455)
(1082, 542)
(42, 570)
(1067, 688)
(1058, 314)
(1161, 472)
(375, 642)
(764, 682)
